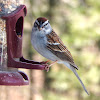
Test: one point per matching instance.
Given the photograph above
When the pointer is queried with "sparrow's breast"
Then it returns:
(40, 45)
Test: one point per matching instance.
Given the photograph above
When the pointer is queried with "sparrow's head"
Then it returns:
(42, 24)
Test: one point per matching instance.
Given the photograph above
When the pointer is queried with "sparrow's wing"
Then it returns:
(56, 46)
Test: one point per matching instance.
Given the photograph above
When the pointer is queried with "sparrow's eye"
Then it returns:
(35, 24)
(45, 24)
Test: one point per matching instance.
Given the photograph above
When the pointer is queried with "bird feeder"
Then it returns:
(11, 57)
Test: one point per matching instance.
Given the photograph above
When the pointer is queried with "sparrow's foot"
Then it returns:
(44, 62)
(47, 68)
(53, 63)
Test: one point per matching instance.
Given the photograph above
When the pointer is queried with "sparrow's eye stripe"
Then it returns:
(36, 23)
(46, 24)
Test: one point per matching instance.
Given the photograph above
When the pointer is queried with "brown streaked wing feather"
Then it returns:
(59, 50)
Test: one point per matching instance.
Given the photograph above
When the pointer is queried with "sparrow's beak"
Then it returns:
(40, 28)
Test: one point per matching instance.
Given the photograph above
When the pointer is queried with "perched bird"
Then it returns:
(46, 42)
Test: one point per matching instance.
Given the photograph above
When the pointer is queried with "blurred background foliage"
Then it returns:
(77, 22)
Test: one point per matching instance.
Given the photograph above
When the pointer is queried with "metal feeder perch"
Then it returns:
(11, 56)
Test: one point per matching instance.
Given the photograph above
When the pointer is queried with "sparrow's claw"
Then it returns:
(47, 68)
(44, 62)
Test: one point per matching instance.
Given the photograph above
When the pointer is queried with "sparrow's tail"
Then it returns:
(76, 74)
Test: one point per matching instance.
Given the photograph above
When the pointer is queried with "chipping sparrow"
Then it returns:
(46, 42)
